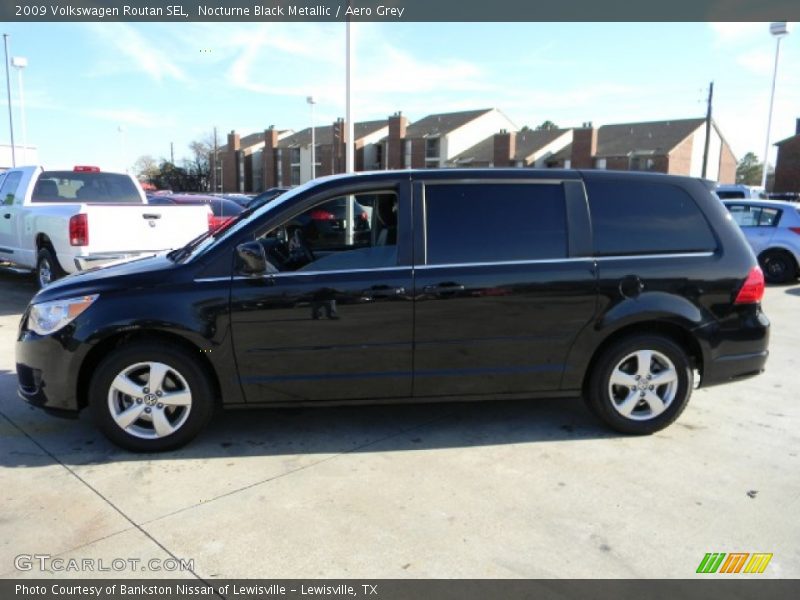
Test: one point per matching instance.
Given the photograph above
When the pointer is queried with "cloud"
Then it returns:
(737, 33)
(143, 55)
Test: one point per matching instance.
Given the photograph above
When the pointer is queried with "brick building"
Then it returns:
(275, 158)
(787, 165)
(435, 140)
(675, 147)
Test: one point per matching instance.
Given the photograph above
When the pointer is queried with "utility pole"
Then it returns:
(10, 118)
(708, 128)
(214, 170)
(172, 153)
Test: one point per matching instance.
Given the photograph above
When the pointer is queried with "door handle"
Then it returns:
(7, 216)
(151, 216)
(443, 288)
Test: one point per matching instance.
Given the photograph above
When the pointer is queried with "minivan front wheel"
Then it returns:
(150, 397)
(641, 384)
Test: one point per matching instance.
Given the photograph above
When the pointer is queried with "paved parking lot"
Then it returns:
(510, 489)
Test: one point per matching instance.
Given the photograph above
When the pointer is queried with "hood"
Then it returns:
(148, 271)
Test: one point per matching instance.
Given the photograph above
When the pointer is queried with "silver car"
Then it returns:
(773, 229)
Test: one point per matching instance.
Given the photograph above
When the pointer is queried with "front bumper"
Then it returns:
(47, 371)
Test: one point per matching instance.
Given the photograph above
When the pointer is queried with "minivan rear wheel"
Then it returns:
(640, 384)
(778, 266)
(149, 397)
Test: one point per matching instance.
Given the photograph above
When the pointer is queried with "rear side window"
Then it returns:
(631, 217)
(468, 223)
(754, 216)
(69, 186)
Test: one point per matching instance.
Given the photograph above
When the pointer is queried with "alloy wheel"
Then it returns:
(149, 400)
(643, 385)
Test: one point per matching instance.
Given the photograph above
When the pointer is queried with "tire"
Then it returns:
(778, 266)
(144, 421)
(632, 404)
(47, 267)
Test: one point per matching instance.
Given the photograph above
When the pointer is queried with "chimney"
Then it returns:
(584, 147)
(505, 147)
(270, 165)
(230, 163)
(233, 140)
(394, 145)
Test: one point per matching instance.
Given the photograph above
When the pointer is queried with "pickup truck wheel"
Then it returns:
(778, 266)
(640, 384)
(149, 397)
(47, 268)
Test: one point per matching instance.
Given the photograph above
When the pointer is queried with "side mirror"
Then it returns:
(252, 260)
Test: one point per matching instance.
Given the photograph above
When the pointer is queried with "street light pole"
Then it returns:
(10, 117)
(779, 30)
(312, 102)
(348, 99)
(19, 63)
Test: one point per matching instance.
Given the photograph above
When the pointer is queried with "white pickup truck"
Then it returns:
(60, 222)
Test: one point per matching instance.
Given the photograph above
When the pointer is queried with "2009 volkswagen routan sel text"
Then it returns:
(441, 284)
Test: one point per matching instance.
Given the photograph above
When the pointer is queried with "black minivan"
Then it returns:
(443, 284)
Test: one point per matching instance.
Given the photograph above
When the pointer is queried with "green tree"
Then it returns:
(546, 126)
(749, 169)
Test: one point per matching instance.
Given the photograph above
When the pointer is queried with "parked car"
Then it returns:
(266, 196)
(772, 227)
(241, 199)
(473, 284)
(223, 210)
(739, 190)
(60, 222)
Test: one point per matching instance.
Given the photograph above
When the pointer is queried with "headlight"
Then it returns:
(49, 317)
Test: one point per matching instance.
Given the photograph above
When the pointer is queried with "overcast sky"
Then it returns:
(162, 83)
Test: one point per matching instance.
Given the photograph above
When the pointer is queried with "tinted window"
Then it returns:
(734, 194)
(494, 222)
(630, 217)
(70, 186)
(9, 188)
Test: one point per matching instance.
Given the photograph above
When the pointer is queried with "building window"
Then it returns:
(378, 157)
(432, 148)
(407, 154)
(295, 175)
(600, 163)
(295, 155)
(642, 163)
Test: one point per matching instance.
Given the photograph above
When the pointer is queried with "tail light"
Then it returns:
(795, 230)
(364, 216)
(79, 230)
(322, 215)
(753, 289)
(86, 169)
(217, 223)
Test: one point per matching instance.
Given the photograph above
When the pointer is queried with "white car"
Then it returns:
(773, 229)
(61, 222)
